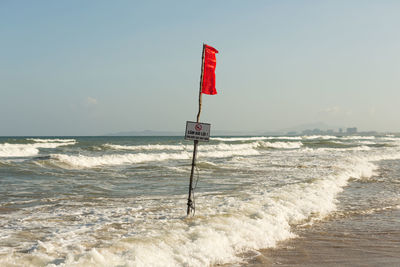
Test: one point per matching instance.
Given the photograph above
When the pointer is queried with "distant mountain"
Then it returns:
(318, 125)
(234, 133)
(182, 133)
(299, 128)
(147, 133)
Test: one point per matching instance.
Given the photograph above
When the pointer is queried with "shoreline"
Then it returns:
(346, 241)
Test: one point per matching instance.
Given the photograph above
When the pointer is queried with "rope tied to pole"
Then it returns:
(192, 203)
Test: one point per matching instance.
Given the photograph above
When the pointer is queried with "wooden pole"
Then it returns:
(201, 82)
(190, 202)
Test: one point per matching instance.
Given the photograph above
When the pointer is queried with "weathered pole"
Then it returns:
(190, 202)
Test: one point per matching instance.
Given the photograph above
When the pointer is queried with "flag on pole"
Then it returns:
(210, 62)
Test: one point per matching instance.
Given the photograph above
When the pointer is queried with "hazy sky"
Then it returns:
(97, 67)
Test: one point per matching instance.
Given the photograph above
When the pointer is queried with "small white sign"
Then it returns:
(197, 131)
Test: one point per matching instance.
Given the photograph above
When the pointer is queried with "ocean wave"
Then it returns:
(356, 137)
(360, 148)
(81, 161)
(155, 232)
(256, 138)
(235, 139)
(51, 140)
(208, 147)
(379, 157)
(366, 211)
(281, 145)
(17, 150)
(28, 150)
(228, 225)
(366, 142)
(286, 137)
(335, 148)
(146, 147)
(324, 137)
(170, 152)
(391, 138)
(204, 147)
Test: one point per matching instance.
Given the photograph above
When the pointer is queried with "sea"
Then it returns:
(259, 201)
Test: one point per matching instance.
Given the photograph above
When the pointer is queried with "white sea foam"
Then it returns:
(360, 148)
(356, 137)
(28, 150)
(225, 226)
(256, 138)
(286, 137)
(152, 231)
(208, 147)
(324, 137)
(235, 139)
(391, 138)
(228, 147)
(175, 152)
(51, 140)
(81, 161)
(282, 145)
(366, 142)
(17, 150)
(355, 148)
(147, 147)
(203, 147)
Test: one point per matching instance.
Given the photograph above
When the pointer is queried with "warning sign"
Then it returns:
(197, 131)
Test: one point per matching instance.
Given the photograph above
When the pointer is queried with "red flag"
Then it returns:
(210, 61)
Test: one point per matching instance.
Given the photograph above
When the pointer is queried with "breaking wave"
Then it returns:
(228, 225)
(152, 230)
(235, 139)
(146, 153)
(17, 150)
(281, 145)
(355, 137)
(50, 140)
(207, 147)
(146, 147)
(81, 161)
(28, 150)
(323, 137)
(257, 138)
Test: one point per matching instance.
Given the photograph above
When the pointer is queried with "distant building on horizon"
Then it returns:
(352, 130)
(316, 131)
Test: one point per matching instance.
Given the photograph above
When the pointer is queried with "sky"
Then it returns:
(99, 67)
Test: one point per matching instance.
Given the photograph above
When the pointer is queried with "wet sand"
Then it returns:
(362, 240)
